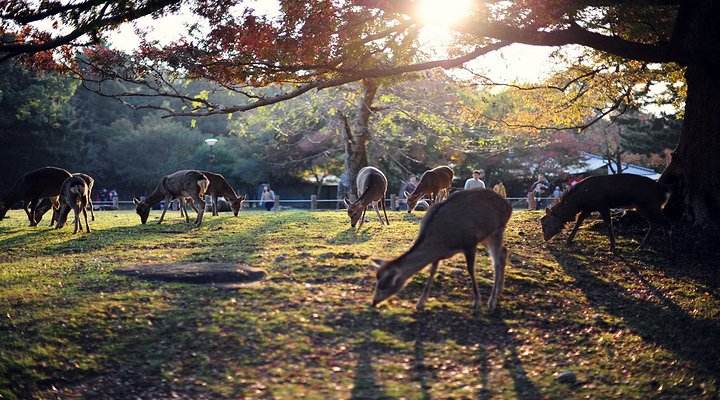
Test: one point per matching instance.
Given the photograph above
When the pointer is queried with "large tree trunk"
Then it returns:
(356, 139)
(694, 171)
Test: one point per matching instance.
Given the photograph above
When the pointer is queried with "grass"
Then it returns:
(629, 327)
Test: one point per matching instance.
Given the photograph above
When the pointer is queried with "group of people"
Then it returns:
(106, 195)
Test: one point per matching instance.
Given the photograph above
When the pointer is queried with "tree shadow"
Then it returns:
(350, 236)
(665, 324)
(438, 326)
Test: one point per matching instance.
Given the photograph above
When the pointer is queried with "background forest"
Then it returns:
(417, 123)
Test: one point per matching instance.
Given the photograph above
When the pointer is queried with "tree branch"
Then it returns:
(574, 34)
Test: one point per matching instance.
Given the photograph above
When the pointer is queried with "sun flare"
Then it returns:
(443, 13)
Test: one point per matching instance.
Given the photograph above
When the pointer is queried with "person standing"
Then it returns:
(267, 198)
(476, 181)
(538, 188)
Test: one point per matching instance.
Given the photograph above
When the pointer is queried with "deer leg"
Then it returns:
(84, 210)
(76, 223)
(165, 208)
(426, 292)
(214, 199)
(362, 219)
(498, 254)
(27, 212)
(608, 221)
(183, 205)
(470, 261)
(580, 218)
(654, 217)
(92, 212)
(377, 211)
(31, 214)
(200, 209)
(385, 212)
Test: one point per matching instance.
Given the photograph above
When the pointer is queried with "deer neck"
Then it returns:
(228, 192)
(566, 210)
(415, 260)
(155, 197)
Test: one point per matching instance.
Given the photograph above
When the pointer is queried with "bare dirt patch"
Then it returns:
(228, 275)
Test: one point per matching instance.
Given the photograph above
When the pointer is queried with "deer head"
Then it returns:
(391, 278)
(142, 209)
(354, 211)
(551, 224)
(412, 200)
(237, 204)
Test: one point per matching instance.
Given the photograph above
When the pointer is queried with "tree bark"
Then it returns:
(694, 170)
(356, 140)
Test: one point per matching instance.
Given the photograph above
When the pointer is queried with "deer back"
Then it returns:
(42, 182)
(434, 180)
(219, 186)
(465, 219)
(186, 183)
(74, 194)
(89, 180)
(371, 185)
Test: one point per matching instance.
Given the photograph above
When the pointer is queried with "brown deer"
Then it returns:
(457, 225)
(371, 186)
(47, 203)
(434, 183)
(33, 186)
(220, 187)
(178, 185)
(601, 193)
(74, 195)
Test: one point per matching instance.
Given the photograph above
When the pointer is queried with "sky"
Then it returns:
(517, 62)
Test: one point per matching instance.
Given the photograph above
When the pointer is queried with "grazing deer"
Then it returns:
(74, 195)
(33, 186)
(457, 225)
(434, 183)
(220, 187)
(601, 193)
(371, 186)
(178, 185)
(47, 203)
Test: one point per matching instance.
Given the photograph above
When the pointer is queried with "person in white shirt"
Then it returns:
(476, 181)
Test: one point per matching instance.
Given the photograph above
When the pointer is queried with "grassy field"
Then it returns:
(627, 327)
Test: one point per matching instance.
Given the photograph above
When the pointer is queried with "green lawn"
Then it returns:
(631, 327)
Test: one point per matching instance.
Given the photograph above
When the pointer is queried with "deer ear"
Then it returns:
(377, 263)
(407, 194)
(136, 201)
(347, 203)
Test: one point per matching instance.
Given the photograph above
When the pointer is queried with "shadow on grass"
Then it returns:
(350, 236)
(436, 326)
(666, 324)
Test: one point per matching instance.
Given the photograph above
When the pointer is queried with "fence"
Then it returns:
(313, 203)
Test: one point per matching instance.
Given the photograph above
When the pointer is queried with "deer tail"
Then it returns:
(203, 185)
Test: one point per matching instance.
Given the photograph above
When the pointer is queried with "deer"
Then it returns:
(178, 185)
(47, 203)
(434, 183)
(33, 186)
(454, 226)
(220, 187)
(74, 195)
(371, 186)
(601, 193)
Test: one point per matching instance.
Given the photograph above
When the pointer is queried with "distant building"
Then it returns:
(593, 164)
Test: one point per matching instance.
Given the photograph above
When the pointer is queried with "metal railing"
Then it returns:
(313, 203)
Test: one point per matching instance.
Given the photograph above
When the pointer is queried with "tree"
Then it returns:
(322, 44)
